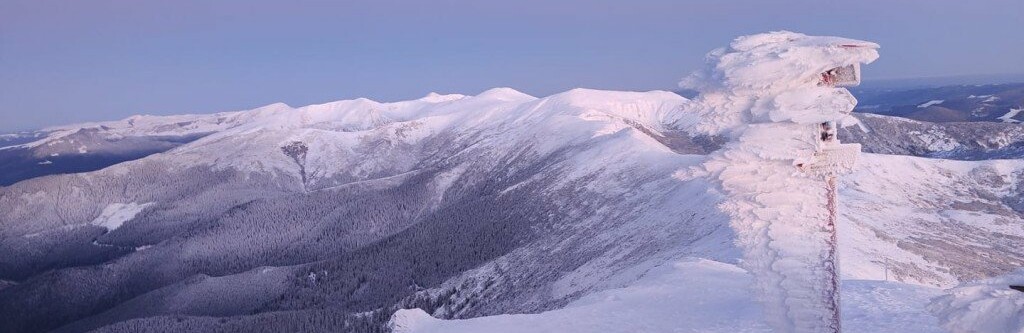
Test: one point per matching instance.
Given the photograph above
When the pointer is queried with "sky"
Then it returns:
(72, 61)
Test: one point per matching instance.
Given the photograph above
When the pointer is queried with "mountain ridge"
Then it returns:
(566, 177)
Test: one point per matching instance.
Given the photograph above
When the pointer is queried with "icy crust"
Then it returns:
(984, 306)
(762, 92)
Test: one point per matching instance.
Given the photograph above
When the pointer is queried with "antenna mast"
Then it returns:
(831, 159)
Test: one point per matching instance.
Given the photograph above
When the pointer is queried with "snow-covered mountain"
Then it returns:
(951, 103)
(579, 210)
(958, 141)
(93, 146)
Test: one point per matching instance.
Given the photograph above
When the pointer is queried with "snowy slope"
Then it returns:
(960, 141)
(930, 221)
(691, 296)
(983, 306)
(684, 296)
(114, 215)
(564, 177)
(904, 219)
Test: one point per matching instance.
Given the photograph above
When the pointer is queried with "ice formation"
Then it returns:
(768, 95)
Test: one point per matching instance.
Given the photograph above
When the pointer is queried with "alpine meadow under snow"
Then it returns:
(583, 211)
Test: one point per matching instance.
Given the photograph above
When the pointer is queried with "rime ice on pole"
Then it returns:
(778, 97)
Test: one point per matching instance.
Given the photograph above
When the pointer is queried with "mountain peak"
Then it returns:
(505, 93)
(434, 97)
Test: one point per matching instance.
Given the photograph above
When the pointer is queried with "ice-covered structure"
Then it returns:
(777, 97)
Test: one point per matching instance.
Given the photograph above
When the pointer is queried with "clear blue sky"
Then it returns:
(71, 61)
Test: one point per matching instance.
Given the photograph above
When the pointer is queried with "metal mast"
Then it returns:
(832, 158)
(832, 257)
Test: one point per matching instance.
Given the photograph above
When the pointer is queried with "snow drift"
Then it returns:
(986, 306)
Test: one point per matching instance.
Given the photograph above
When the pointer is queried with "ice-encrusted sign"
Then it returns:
(832, 160)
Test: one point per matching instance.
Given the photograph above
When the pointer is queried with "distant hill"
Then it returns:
(989, 102)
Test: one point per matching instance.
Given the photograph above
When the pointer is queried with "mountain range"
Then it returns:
(331, 217)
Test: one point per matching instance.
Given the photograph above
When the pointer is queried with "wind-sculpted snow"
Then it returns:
(773, 78)
(989, 305)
